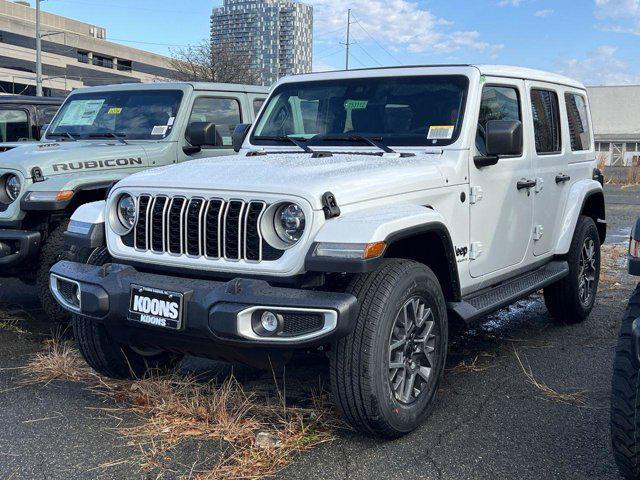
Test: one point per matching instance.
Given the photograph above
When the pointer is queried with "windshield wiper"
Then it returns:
(63, 134)
(117, 136)
(298, 142)
(373, 141)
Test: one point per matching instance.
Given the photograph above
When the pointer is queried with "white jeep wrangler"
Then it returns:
(365, 211)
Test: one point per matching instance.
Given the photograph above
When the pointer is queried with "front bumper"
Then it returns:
(16, 247)
(215, 312)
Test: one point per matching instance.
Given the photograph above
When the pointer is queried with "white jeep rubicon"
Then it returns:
(365, 211)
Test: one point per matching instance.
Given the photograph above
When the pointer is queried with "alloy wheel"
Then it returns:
(413, 345)
(587, 271)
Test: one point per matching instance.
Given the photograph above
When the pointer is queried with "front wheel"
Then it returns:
(385, 374)
(625, 396)
(571, 299)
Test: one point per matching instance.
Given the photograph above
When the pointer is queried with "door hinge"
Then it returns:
(475, 194)
(539, 185)
(475, 249)
(538, 231)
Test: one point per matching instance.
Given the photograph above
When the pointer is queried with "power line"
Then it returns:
(376, 42)
(355, 40)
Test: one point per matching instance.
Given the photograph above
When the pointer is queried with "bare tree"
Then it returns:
(220, 62)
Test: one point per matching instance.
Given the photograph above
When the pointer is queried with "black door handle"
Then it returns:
(562, 177)
(526, 184)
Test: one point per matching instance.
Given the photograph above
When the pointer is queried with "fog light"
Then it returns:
(269, 321)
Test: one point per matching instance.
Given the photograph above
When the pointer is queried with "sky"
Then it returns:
(595, 41)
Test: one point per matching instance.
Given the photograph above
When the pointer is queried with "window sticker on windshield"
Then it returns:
(170, 121)
(440, 132)
(81, 112)
(115, 111)
(159, 130)
(355, 104)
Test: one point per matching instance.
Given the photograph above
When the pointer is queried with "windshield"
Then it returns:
(425, 111)
(130, 114)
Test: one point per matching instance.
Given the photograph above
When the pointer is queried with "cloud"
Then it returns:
(544, 13)
(509, 3)
(622, 16)
(397, 25)
(601, 67)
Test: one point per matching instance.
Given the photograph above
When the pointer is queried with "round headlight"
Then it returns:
(289, 222)
(127, 211)
(12, 186)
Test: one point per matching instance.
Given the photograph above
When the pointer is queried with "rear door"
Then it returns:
(549, 162)
(501, 214)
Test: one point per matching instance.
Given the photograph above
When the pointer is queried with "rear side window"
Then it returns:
(578, 122)
(14, 125)
(257, 105)
(546, 121)
(223, 112)
(498, 103)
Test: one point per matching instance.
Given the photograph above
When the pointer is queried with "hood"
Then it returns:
(56, 158)
(351, 178)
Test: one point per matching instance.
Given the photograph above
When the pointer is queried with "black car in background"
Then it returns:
(625, 388)
(22, 116)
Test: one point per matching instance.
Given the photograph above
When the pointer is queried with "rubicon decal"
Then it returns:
(91, 164)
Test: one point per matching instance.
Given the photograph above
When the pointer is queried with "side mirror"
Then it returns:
(239, 134)
(204, 134)
(503, 138)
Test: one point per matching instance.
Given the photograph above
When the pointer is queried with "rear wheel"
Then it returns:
(571, 299)
(625, 396)
(385, 374)
(104, 354)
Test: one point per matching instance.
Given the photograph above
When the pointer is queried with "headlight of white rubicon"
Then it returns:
(12, 186)
(289, 222)
(123, 214)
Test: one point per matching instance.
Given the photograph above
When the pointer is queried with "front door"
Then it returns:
(225, 112)
(501, 214)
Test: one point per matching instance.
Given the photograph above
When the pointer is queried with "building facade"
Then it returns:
(74, 54)
(277, 35)
(615, 112)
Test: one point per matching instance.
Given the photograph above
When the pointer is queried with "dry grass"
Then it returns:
(632, 179)
(175, 409)
(575, 398)
(11, 319)
(473, 366)
(613, 273)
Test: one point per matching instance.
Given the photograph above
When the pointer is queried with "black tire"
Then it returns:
(104, 354)
(360, 363)
(625, 396)
(563, 299)
(51, 253)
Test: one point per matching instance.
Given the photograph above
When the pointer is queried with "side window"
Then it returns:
(223, 112)
(14, 125)
(578, 122)
(498, 103)
(46, 114)
(546, 121)
(257, 105)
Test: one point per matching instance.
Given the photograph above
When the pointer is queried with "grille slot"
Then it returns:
(200, 227)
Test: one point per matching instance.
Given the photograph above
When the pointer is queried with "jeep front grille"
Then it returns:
(199, 227)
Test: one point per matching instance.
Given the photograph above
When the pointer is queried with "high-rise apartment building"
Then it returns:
(275, 34)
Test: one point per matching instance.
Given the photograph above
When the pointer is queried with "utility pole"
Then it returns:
(346, 62)
(38, 52)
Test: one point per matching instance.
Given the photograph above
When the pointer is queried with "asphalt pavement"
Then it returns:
(489, 420)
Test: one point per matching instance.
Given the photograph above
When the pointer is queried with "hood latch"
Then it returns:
(330, 206)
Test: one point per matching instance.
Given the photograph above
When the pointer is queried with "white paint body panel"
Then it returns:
(90, 213)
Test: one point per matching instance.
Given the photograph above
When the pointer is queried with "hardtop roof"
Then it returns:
(198, 86)
(30, 100)
(489, 70)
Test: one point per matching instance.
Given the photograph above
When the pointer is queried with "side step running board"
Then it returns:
(479, 304)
